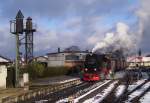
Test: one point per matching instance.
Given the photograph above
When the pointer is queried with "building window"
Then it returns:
(83, 57)
(72, 57)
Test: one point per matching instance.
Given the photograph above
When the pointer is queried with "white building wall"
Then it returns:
(55, 63)
(26, 78)
(3, 76)
(41, 59)
(58, 59)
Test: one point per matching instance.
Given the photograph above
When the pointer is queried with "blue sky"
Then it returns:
(62, 23)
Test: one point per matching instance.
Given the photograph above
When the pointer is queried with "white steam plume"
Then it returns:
(122, 38)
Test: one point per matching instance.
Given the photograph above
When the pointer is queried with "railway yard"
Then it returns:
(75, 51)
(133, 87)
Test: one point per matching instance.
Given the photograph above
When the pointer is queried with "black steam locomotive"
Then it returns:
(100, 66)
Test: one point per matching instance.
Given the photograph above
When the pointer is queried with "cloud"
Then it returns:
(7, 42)
(62, 8)
(66, 22)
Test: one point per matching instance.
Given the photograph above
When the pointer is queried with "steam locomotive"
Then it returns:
(100, 66)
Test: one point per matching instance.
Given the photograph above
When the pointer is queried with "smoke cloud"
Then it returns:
(121, 38)
(143, 14)
(129, 38)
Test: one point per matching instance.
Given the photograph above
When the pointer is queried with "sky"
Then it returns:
(63, 23)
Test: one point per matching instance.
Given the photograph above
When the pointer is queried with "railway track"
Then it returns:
(37, 94)
(123, 90)
(138, 92)
(135, 91)
(92, 91)
(87, 94)
(55, 96)
(68, 92)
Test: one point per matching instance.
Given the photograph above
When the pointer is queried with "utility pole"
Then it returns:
(17, 62)
(16, 28)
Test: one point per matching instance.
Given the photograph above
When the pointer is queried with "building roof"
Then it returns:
(71, 49)
(146, 59)
(138, 59)
(4, 59)
(68, 52)
(41, 57)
